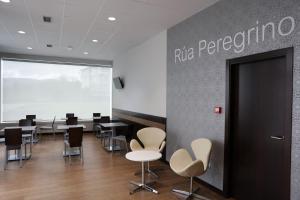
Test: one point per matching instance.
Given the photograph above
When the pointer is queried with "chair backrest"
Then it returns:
(97, 120)
(202, 148)
(31, 117)
(68, 115)
(53, 121)
(96, 114)
(75, 136)
(105, 119)
(151, 137)
(25, 122)
(13, 137)
(72, 121)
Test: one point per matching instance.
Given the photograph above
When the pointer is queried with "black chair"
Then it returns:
(13, 141)
(68, 115)
(96, 114)
(104, 133)
(96, 122)
(31, 117)
(74, 141)
(25, 122)
(72, 121)
(29, 135)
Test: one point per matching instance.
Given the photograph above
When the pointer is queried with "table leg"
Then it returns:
(111, 146)
(143, 185)
(143, 173)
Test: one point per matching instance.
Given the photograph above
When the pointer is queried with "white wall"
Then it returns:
(143, 69)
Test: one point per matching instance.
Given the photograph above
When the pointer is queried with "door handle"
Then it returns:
(277, 137)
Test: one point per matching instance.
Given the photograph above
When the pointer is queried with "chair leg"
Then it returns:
(53, 134)
(69, 158)
(65, 149)
(81, 155)
(6, 159)
(21, 156)
(126, 146)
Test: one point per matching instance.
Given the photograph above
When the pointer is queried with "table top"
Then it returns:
(113, 124)
(24, 128)
(143, 156)
(65, 127)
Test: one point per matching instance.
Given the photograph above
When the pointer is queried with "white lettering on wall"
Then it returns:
(238, 41)
(292, 25)
(184, 54)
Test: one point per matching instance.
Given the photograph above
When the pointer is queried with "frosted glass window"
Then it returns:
(49, 90)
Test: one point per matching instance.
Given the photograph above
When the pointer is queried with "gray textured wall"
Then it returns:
(195, 86)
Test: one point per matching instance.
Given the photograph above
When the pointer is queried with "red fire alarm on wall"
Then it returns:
(218, 110)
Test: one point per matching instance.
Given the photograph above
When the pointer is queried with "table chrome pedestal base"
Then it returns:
(141, 186)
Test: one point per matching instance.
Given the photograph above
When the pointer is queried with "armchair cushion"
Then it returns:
(182, 164)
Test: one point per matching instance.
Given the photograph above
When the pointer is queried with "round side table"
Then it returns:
(143, 156)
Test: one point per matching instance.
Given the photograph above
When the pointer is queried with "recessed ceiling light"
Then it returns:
(29, 48)
(85, 53)
(111, 18)
(70, 48)
(5, 1)
(22, 32)
(95, 41)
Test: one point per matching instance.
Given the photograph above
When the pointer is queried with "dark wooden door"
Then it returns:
(261, 100)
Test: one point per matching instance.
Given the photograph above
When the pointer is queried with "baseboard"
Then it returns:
(211, 187)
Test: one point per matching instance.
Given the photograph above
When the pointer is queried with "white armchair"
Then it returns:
(182, 164)
(152, 139)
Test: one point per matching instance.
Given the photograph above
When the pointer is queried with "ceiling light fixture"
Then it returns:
(5, 1)
(22, 32)
(85, 53)
(29, 48)
(70, 48)
(111, 19)
(95, 41)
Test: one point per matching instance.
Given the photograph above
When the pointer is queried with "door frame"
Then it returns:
(288, 53)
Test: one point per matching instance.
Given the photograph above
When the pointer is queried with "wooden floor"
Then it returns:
(104, 176)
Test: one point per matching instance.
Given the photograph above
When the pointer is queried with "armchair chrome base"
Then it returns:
(192, 193)
(141, 186)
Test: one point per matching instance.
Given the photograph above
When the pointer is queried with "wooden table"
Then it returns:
(25, 135)
(143, 156)
(112, 125)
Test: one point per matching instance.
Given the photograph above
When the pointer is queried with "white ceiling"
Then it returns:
(77, 22)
